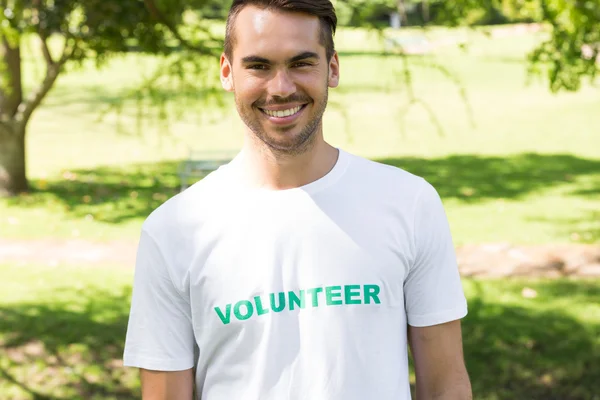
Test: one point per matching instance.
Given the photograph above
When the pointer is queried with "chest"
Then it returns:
(311, 257)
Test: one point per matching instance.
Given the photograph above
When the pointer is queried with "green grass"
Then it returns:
(524, 198)
(513, 162)
(64, 340)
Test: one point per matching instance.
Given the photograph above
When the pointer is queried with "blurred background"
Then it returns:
(109, 108)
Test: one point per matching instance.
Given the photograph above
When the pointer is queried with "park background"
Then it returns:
(510, 137)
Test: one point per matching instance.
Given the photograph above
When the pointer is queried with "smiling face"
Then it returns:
(280, 76)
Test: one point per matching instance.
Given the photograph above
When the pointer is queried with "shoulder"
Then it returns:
(190, 208)
(385, 177)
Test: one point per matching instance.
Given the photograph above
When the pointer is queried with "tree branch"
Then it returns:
(46, 50)
(27, 107)
(11, 93)
(43, 36)
(67, 51)
(53, 68)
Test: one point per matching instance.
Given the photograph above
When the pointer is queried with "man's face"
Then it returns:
(280, 76)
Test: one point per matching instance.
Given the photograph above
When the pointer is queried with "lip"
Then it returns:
(281, 107)
(284, 120)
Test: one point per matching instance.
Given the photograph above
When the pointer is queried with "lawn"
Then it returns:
(63, 340)
(513, 162)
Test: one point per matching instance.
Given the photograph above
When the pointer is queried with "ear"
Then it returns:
(334, 71)
(226, 74)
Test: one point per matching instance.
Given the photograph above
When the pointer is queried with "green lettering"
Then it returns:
(314, 292)
(260, 310)
(295, 300)
(352, 291)
(371, 291)
(281, 305)
(249, 310)
(330, 295)
(225, 318)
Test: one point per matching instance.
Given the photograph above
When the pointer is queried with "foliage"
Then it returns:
(572, 51)
(570, 54)
(533, 178)
(100, 29)
(363, 13)
(72, 31)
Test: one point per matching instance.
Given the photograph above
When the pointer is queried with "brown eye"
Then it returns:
(258, 67)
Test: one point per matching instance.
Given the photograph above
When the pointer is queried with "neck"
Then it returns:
(275, 170)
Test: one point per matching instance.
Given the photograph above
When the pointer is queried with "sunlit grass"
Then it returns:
(524, 198)
(547, 190)
(63, 338)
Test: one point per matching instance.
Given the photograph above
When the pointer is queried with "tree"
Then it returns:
(71, 31)
(571, 52)
(90, 29)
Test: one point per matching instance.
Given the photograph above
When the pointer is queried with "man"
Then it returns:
(297, 271)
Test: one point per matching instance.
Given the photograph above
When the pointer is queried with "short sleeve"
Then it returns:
(433, 289)
(159, 332)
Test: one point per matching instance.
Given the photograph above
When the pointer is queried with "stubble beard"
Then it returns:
(301, 143)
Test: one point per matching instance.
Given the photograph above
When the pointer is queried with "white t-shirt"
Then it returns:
(295, 294)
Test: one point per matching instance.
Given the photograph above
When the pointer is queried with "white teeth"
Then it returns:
(283, 113)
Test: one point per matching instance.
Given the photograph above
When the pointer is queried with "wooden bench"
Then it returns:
(199, 164)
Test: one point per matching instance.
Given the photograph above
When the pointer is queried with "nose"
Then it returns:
(282, 85)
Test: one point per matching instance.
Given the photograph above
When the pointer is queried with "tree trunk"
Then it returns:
(11, 93)
(402, 12)
(16, 112)
(13, 174)
(13, 178)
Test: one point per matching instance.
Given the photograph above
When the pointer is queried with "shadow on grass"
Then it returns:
(68, 349)
(472, 178)
(108, 194)
(512, 352)
(115, 195)
(584, 292)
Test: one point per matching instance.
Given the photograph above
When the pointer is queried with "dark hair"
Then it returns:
(323, 9)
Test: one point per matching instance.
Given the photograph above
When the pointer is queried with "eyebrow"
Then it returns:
(304, 56)
(261, 60)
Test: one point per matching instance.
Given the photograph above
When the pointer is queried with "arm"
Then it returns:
(160, 385)
(160, 335)
(439, 363)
